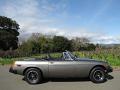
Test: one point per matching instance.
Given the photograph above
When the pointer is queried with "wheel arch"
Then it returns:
(97, 66)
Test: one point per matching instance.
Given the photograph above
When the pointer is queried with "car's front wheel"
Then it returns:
(33, 76)
(97, 75)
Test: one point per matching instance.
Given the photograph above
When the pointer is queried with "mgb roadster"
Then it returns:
(68, 66)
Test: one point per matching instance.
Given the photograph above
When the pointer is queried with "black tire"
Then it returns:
(98, 75)
(33, 76)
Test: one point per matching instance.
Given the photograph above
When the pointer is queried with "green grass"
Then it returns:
(4, 61)
(112, 58)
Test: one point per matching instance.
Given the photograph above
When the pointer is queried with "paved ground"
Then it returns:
(9, 81)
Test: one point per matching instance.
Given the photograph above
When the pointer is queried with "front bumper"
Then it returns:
(11, 70)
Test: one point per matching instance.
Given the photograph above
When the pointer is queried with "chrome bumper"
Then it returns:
(109, 69)
(12, 71)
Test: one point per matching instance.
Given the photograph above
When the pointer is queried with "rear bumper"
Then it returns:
(11, 70)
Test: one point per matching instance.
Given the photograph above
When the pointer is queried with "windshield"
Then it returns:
(71, 55)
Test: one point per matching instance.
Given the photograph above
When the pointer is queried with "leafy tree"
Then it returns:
(79, 43)
(37, 43)
(82, 44)
(61, 44)
(91, 47)
(26, 47)
(8, 33)
(43, 44)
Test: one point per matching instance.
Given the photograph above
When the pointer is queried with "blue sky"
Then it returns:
(98, 20)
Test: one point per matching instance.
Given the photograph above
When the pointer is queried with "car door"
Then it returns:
(81, 68)
(59, 69)
(62, 68)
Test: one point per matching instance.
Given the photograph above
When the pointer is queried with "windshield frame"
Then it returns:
(70, 55)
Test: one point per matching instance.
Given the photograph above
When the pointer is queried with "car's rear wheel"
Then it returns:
(33, 76)
(97, 75)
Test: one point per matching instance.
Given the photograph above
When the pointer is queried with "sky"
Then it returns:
(98, 20)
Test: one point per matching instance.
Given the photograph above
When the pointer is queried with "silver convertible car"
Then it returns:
(68, 66)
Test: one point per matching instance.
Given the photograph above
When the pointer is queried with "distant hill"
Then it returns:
(110, 45)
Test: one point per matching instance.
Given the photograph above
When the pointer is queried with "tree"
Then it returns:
(90, 47)
(79, 43)
(46, 44)
(37, 43)
(8, 33)
(61, 44)
(82, 44)
(41, 43)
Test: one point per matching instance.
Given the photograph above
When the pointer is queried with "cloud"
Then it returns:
(21, 8)
(31, 14)
(28, 14)
(101, 11)
(107, 40)
(34, 17)
(94, 37)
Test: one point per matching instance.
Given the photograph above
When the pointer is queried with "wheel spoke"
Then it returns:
(32, 76)
(98, 75)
